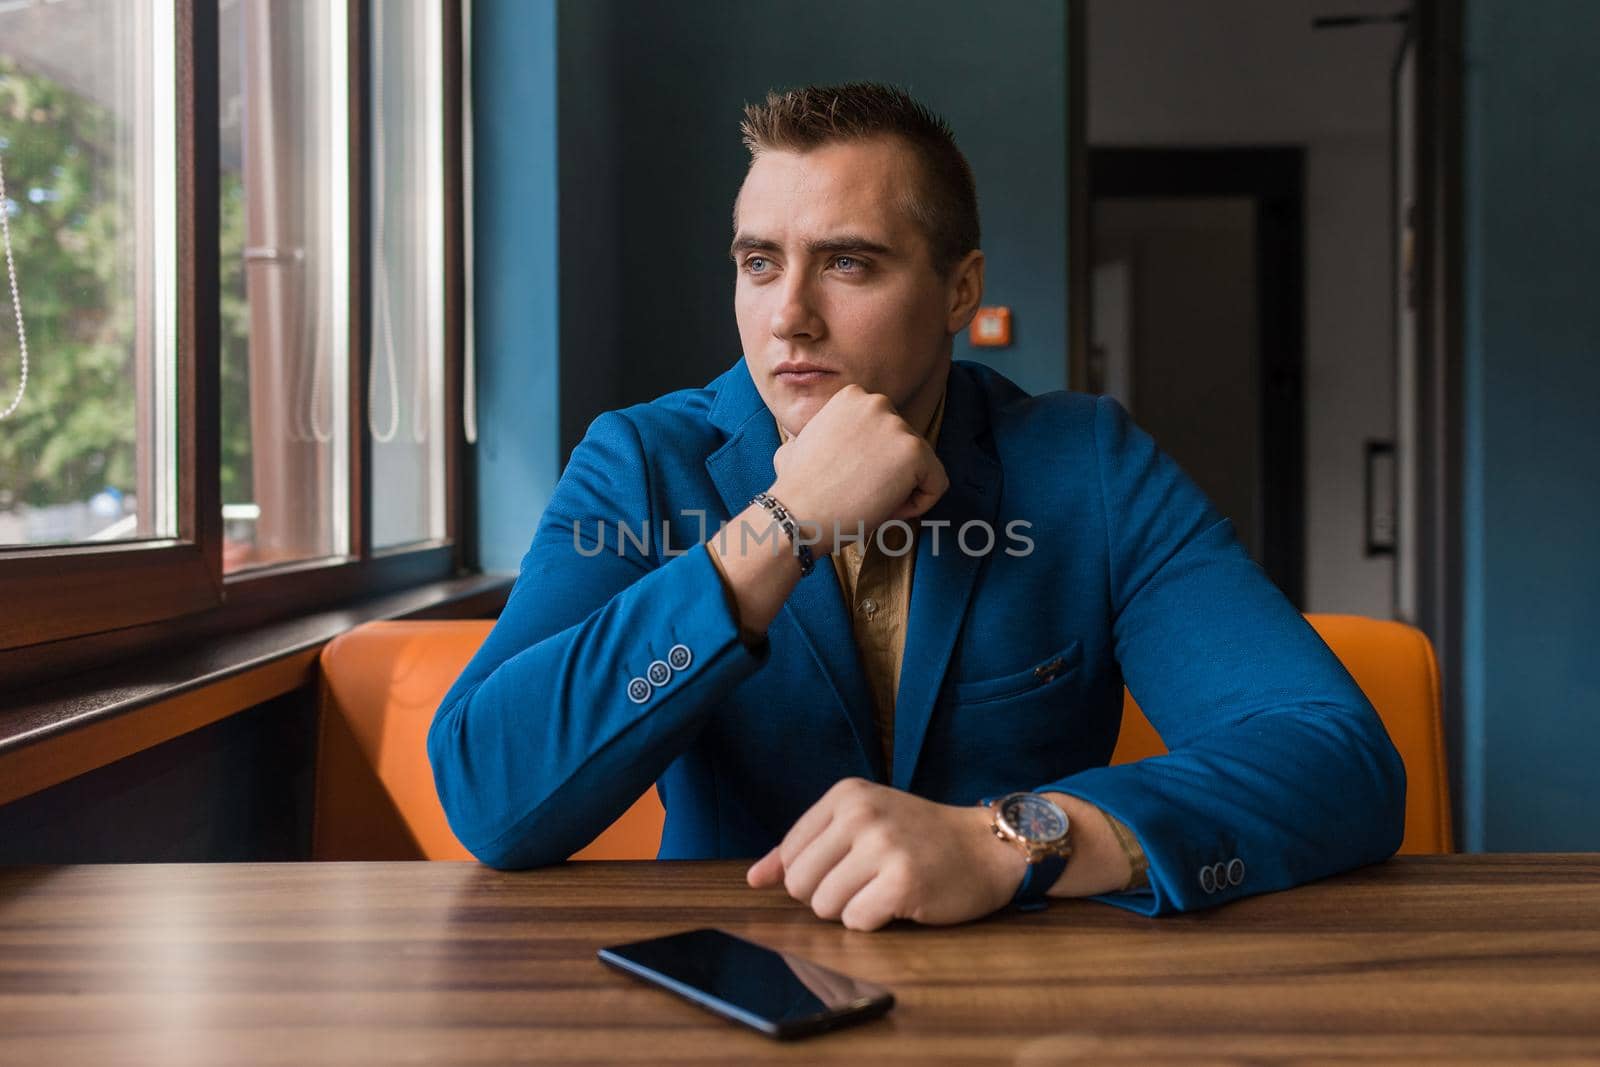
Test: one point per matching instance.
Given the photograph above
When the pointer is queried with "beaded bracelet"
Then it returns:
(781, 515)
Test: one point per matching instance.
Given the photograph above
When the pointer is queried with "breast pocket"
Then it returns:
(1047, 672)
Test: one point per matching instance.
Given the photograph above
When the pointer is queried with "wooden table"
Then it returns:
(1456, 958)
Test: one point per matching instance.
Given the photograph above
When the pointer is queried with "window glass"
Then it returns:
(87, 272)
(285, 269)
(405, 400)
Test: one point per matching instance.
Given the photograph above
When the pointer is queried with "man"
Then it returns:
(998, 565)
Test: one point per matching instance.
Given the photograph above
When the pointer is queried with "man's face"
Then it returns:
(833, 273)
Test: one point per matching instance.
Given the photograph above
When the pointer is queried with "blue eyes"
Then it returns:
(846, 264)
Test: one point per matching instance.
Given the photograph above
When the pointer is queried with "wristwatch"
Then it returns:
(1036, 826)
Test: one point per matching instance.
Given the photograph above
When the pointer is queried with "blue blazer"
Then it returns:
(617, 662)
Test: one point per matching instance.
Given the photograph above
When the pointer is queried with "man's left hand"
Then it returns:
(866, 854)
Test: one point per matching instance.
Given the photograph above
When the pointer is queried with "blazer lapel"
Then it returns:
(942, 584)
(740, 469)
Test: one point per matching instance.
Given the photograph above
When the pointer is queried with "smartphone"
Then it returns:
(777, 993)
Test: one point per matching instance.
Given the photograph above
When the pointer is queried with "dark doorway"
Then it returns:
(1197, 312)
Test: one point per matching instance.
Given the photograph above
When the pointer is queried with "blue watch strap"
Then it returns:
(1030, 895)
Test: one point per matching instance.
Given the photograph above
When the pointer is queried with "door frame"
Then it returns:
(1273, 177)
(1436, 34)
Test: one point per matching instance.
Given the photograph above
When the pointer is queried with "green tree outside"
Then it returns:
(70, 212)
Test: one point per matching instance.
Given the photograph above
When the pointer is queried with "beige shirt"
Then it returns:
(876, 586)
(877, 589)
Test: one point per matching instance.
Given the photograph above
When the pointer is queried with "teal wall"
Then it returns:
(515, 272)
(997, 74)
(608, 157)
(1531, 468)
(591, 294)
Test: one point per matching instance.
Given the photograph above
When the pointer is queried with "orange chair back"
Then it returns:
(1394, 666)
(382, 681)
(375, 799)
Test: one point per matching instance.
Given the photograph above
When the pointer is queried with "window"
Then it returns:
(235, 227)
(284, 265)
(87, 342)
(405, 413)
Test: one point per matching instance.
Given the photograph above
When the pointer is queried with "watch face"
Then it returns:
(1034, 818)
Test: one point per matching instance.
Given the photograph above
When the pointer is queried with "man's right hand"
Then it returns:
(856, 462)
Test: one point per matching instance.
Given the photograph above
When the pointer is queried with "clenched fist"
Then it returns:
(856, 462)
(866, 854)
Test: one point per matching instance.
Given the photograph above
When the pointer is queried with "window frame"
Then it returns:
(57, 615)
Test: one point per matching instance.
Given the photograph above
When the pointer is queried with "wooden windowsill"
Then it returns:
(60, 729)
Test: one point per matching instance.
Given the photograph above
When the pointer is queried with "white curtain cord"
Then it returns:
(16, 295)
(306, 417)
(309, 417)
(320, 431)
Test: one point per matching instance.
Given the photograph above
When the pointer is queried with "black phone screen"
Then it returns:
(778, 993)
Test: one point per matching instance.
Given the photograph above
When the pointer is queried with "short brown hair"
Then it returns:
(946, 206)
